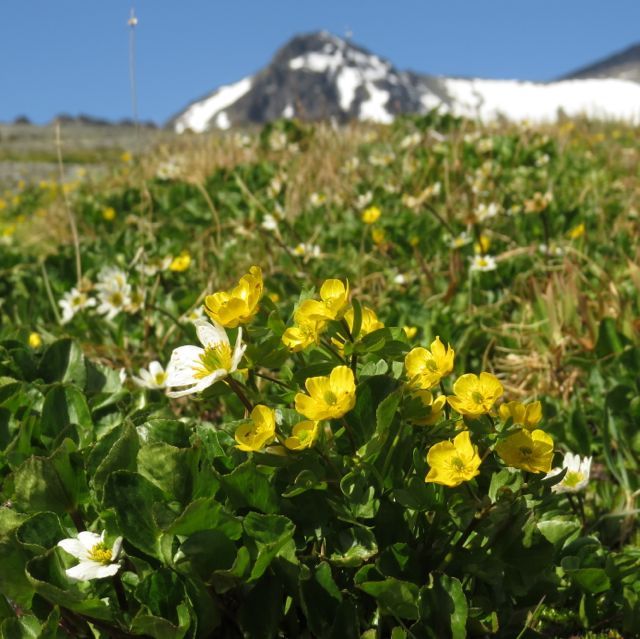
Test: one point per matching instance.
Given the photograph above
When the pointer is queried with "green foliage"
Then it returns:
(343, 537)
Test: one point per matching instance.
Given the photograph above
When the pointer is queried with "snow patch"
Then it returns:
(198, 116)
(288, 111)
(514, 100)
(374, 109)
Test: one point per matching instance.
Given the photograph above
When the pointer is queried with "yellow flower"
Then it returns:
(329, 397)
(334, 302)
(482, 245)
(426, 368)
(35, 341)
(180, 263)
(239, 305)
(369, 323)
(274, 297)
(433, 407)
(306, 329)
(258, 432)
(3, 204)
(371, 215)
(474, 396)
(524, 415)
(378, 236)
(453, 462)
(527, 450)
(410, 331)
(126, 157)
(576, 232)
(303, 435)
(109, 214)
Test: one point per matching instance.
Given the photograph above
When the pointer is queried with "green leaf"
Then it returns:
(132, 497)
(64, 406)
(320, 600)
(247, 487)
(63, 361)
(50, 483)
(272, 536)
(206, 514)
(40, 532)
(593, 580)
(397, 597)
(558, 531)
(208, 551)
(119, 455)
(46, 574)
(25, 627)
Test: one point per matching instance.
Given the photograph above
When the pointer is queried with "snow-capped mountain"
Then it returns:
(321, 76)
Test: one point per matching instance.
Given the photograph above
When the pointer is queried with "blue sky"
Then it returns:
(72, 55)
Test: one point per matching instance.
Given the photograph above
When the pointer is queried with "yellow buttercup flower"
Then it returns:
(453, 462)
(126, 157)
(369, 323)
(527, 415)
(371, 215)
(180, 263)
(482, 245)
(239, 305)
(334, 302)
(35, 341)
(329, 397)
(576, 232)
(433, 407)
(303, 435)
(527, 450)
(378, 236)
(259, 431)
(426, 368)
(306, 330)
(474, 396)
(109, 214)
(410, 331)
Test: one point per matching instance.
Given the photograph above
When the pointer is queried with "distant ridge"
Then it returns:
(624, 65)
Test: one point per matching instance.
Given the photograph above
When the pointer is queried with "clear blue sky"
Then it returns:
(72, 55)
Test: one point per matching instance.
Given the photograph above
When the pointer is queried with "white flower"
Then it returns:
(485, 211)
(306, 250)
(193, 368)
(155, 377)
(74, 301)
(577, 476)
(400, 279)
(461, 240)
(269, 222)
(96, 559)
(114, 293)
(554, 249)
(364, 199)
(194, 314)
(411, 140)
(153, 267)
(317, 199)
(483, 263)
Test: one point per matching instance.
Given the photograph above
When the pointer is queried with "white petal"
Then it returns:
(91, 570)
(116, 548)
(89, 539)
(210, 333)
(155, 368)
(182, 393)
(74, 547)
(238, 351)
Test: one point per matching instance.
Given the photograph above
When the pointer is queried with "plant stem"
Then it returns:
(238, 390)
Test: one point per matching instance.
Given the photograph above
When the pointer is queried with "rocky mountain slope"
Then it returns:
(321, 76)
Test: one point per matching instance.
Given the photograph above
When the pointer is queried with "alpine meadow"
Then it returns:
(324, 381)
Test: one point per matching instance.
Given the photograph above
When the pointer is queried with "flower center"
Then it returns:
(457, 464)
(213, 359)
(160, 378)
(330, 397)
(431, 365)
(477, 397)
(525, 451)
(100, 553)
(573, 478)
(115, 299)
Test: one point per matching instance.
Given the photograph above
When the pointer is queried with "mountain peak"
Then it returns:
(318, 76)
